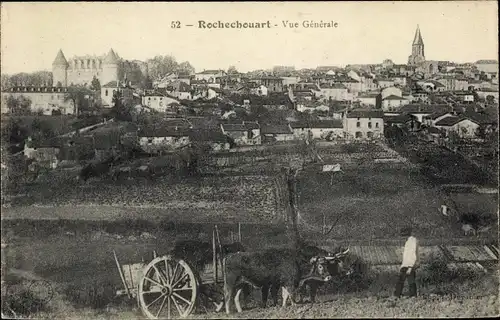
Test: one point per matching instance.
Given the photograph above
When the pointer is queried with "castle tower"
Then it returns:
(110, 66)
(417, 49)
(59, 70)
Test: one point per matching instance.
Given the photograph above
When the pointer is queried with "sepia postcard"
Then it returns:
(198, 160)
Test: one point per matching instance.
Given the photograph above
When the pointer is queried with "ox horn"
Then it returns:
(342, 253)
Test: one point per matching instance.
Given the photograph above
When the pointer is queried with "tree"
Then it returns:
(95, 85)
(490, 99)
(147, 83)
(232, 70)
(80, 97)
(122, 108)
(186, 68)
(18, 106)
(160, 66)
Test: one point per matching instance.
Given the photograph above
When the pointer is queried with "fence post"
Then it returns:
(239, 232)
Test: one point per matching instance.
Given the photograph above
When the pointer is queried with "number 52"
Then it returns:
(175, 24)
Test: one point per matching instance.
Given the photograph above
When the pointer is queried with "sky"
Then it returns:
(367, 32)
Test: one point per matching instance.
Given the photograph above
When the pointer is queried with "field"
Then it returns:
(76, 257)
(65, 231)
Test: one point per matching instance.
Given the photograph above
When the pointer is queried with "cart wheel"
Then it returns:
(167, 289)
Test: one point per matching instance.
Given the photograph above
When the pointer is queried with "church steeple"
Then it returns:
(418, 37)
(417, 49)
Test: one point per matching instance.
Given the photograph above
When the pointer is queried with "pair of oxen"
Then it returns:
(291, 269)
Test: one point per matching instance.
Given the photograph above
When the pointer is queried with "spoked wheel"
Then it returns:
(168, 289)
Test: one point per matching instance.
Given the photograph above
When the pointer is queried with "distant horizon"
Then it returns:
(459, 32)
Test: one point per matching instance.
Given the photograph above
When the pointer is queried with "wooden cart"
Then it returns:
(170, 288)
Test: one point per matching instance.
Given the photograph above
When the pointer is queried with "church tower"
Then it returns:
(110, 66)
(59, 70)
(417, 49)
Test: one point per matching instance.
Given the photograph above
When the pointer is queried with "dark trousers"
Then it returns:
(411, 282)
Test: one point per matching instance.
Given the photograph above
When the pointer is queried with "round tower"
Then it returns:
(60, 70)
(110, 67)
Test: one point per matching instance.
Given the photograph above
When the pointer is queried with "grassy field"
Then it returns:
(370, 204)
(76, 258)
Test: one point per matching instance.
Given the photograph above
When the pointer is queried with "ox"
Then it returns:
(336, 266)
(198, 253)
(269, 269)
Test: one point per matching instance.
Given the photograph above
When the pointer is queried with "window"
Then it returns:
(106, 92)
(376, 124)
(358, 124)
(150, 140)
(369, 125)
(369, 134)
(358, 134)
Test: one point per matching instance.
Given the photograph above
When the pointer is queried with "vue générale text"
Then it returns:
(202, 24)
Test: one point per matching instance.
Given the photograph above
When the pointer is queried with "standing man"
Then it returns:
(411, 262)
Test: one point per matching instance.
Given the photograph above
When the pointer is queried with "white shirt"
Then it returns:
(410, 255)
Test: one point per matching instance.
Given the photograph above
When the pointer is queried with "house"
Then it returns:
(464, 96)
(273, 84)
(364, 124)
(393, 102)
(318, 129)
(422, 110)
(368, 99)
(109, 89)
(335, 92)
(276, 132)
(246, 133)
(430, 120)
(260, 90)
(402, 121)
(484, 93)
(45, 153)
(399, 80)
(210, 76)
(212, 137)
(452, 83)
(384, 82)
(489, 67)
(43, 99)
(464, 127)
(305, 105)
(179, 90)
(431, 85)
(159, 102)
(391, 91)
(157, 139)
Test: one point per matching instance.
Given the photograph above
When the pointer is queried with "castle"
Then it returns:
(107, 68)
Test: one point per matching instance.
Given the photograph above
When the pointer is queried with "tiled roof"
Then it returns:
(450, 121)
(334, 86)
(317, 124)
(111, 57)
(402, 118)
(365, 114)
(393, 97)
(60, 59)
(275, 129)
(487, 62)
(240, 126)
(213, 135)
(163, 131)
(210, 72)
(425, 108)
(436, 115)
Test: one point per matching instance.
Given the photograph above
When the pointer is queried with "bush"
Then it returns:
(19, 301)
